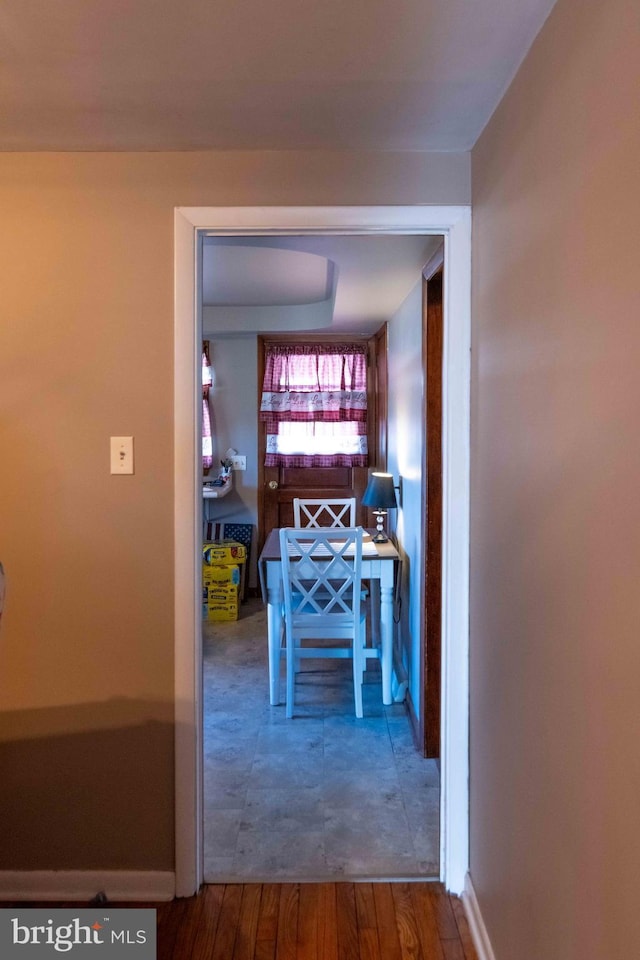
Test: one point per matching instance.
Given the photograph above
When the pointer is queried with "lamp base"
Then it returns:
(380, 536)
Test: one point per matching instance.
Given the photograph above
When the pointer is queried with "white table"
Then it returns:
(379, 570)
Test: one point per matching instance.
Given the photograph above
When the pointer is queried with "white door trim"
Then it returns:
(454, 222)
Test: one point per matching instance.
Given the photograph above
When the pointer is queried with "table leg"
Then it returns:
(374, 587)
(274, 634)
(386, 641)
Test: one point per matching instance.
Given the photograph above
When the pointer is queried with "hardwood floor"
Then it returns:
(309, 921)
(315, 921)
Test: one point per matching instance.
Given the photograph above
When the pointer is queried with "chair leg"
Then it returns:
(291, 677)
(357, 687)
(358, 673)
(298, 662)
(363, 652)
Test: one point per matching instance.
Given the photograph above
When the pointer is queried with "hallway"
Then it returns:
(319, 797)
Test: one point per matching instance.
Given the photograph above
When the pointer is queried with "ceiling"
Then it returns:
(345, 283)
(257, 74)
(86, 75)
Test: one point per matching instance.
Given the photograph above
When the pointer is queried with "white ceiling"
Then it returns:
(370, 276)
(254, 273)
(257, 74)
(268, 74)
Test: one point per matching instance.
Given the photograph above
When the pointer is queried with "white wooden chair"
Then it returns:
(324, 513)
(321, 572)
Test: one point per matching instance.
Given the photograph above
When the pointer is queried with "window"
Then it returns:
(314, 404)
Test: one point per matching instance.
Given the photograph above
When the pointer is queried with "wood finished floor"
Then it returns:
(315, 921)
(309, 921)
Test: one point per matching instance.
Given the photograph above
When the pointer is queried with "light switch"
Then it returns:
(122, 455)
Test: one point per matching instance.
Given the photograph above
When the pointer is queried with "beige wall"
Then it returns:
(86, 351)
(555, 543)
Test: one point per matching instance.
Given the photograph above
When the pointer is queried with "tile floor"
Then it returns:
(321, 797)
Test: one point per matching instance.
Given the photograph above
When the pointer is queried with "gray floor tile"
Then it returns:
(218, 869)
(291, 738)
(274, 770)
(283, 812)
(221, 831)
(277, 856)
(322, 796)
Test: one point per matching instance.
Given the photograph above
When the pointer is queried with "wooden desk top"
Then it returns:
(271, 549)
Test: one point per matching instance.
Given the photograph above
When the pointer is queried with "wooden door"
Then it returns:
(431, 633)
(282, 484)
(279, 485)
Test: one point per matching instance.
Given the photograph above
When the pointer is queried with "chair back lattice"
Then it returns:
(321, 573)
(324, 513)
(321, 576)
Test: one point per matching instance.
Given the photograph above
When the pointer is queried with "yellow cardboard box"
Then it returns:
(220, 573)
(223, 592)
(220, 613)
(219, 591)
(221, 609)
(223, 551)
(219, 601)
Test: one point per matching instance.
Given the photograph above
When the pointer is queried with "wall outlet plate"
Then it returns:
(121, 449)
(238, 463)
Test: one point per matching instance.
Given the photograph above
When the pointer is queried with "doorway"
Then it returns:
(454, 223)
(322, 796)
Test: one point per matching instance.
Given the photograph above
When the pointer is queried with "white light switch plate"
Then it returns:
(239, 463)
(122, 455)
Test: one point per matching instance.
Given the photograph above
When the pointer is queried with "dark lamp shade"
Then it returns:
(380, 493)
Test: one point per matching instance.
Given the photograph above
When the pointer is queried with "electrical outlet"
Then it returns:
(239, 463)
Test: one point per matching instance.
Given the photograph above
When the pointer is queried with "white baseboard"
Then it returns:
(144, 885)
(476, 923)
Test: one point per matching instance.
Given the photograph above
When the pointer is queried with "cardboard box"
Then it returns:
(219, 613)
(220, 573)
(219, 591)
(220, 610)
(223, 552)
(223, 592)
(219, 601)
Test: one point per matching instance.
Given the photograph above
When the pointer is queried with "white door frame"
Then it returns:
(454, 223)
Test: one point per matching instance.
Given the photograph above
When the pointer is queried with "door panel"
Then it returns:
(431, 640)
(308, 482)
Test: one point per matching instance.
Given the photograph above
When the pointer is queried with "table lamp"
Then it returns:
(380, 495)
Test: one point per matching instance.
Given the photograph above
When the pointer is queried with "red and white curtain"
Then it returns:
(207, 380)
(314, 403)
